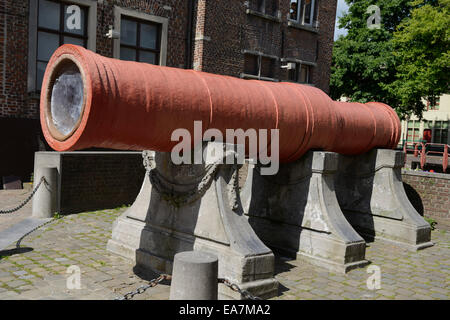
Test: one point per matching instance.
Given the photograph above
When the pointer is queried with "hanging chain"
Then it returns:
(33, 230)
(235, 287)
(27, 199)
(156, 281)
(143, 288)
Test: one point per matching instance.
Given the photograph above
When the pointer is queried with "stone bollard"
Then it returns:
(194, 276)
(45, 198)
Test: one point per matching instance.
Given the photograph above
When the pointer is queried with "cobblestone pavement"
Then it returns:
(39, 269)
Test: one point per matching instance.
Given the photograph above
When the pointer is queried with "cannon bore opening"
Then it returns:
(65, 102)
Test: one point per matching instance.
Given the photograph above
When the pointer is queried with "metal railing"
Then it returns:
(422, 150)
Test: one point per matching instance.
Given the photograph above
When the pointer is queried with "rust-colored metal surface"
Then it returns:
(137, 106)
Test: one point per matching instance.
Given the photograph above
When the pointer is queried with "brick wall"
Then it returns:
(99, 181)
(94, 180)
(224, 29)
(429, 193)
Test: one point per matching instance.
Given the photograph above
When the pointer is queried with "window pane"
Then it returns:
(48, 14)
(409, 136)
(293, 10)
(128, 32)
(303, 75)
(40, 69)
(74, 19)
(416, 124)
(72, 40)
(261, 5)
(127, 54)
(148, 57)
(437, 136)
(251, 64)
(306, 11)
(47, 44)
(438, 124)
(149, 36)
(267, 66)
(444, 138)
(292, 74)
(445, 124)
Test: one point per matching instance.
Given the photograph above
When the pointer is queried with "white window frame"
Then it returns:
(164, 22)
(302, 20)
(32, 35)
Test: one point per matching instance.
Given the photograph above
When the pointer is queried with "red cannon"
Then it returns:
(88, 100)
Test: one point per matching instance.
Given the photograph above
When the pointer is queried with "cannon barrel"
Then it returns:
(88, 100)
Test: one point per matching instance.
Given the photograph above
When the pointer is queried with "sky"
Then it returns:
(342, 7)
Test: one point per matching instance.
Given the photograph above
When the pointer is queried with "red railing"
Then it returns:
(424, 150)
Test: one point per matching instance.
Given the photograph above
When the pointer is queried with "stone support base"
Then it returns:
(194, 207)
(370, 192)
(296, 212)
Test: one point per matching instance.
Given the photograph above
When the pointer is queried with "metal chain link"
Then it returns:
(185, 198)
(26, 200)
(156, 281)
(143, 288)
(235, 287)
(33, 230)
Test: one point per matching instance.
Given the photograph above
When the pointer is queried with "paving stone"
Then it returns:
(439, 296)
(404, 275)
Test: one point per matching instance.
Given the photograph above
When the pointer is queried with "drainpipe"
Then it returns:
(188, 51)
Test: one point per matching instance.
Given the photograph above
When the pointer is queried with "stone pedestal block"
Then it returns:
(297, 213)
(194, 276)
(46, 197)
(194, 207)
(370, 192)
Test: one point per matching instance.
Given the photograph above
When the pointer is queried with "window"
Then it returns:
(433, 106)
(58, 23)
(143, 37)
(413, 131)
(301, 73)
(303, 11)
(140, 40)
(259, 66)
(53, 23)
(265, 6)
(440, 132)
(261, 5)
(251, 64)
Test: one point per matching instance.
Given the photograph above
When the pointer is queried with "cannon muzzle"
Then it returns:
(88, 100)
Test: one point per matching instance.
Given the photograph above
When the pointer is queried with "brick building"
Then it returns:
(273, 40)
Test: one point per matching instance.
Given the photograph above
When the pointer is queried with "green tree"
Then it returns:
(422, 50)
(363, 61)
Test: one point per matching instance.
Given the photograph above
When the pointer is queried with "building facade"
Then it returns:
(272, 40)
(434, 126)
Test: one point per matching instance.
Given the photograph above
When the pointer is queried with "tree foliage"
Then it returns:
(383, 64)
(422, 50)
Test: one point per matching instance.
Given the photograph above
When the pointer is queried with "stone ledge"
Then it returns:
(297, 25)
(253, 77)
(263, 15)
(426, 174)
